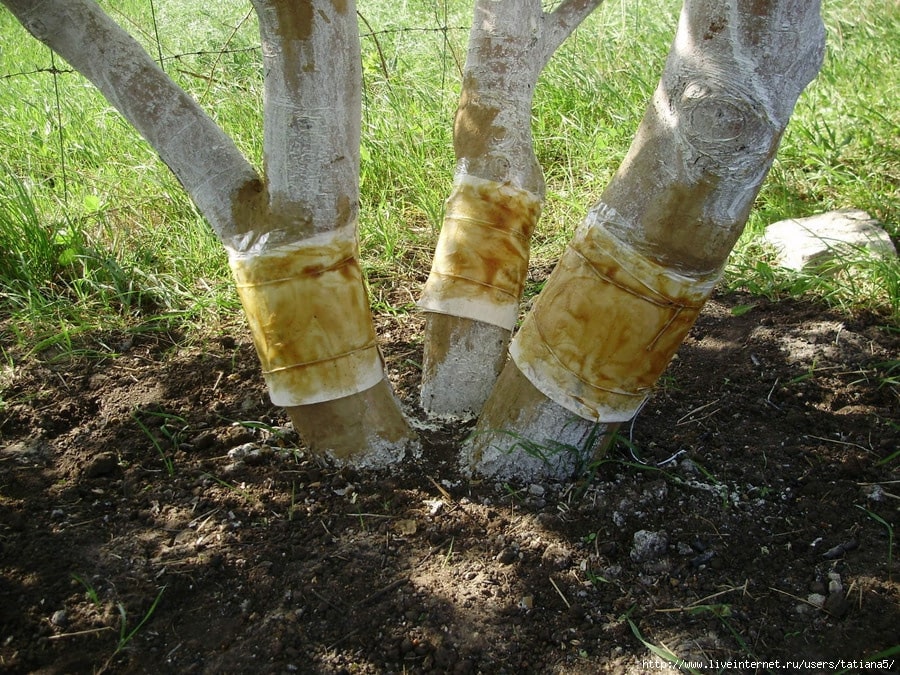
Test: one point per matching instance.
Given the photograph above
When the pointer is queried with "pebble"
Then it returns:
(648, 546)
(688, 467)
(839, 550)
(249, 453)
(59, 618)
(876, 493)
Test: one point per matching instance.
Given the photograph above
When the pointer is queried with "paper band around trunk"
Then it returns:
(308, 311)
(481, 261)
(606, 326)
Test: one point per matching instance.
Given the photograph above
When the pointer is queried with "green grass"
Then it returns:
(101, 235)
(125, 635)
(890, 535)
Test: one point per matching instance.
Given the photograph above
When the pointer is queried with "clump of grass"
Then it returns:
(854, 279)
(33, 250)
(173, 435)
(89, 590)
(125, 635)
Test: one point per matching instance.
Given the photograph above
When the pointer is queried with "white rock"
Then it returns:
(808, 242)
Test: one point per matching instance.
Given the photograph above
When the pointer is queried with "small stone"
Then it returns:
(204, 440)
(247, 452)
(611, 572)
(835, 586)
(688, 467)
(816, 600)
(25, 451)
(875, 493)
(804, 243)
(59, 618)
(556, 557)
(648, 545)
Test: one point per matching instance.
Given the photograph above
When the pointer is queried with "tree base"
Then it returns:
(366, 430)
(523, 435)
(462, 360)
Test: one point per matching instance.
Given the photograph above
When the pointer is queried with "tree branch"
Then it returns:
(565, 19)
(202, 156)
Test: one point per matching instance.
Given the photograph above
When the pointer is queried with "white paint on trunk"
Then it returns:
(478, 276)
(312, 114)
(527, 437)
(472, 353)
(711, 130)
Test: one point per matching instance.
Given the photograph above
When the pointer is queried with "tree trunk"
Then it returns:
(481, 261)
(633, 280)
(300, 280)
(291, 237)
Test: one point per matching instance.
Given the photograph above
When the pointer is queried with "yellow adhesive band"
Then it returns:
(481, 260)
(606, 326)
(309, 316)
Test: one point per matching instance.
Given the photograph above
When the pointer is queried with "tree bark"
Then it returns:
(631, 283)
(291, 236)
(481, 261)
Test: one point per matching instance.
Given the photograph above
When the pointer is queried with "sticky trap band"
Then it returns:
(606, 326)
(309, 316)
(481, 261)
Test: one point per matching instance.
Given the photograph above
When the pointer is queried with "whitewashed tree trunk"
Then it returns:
(291, 235)
(316, 338)
(481, 262)
(640, 267)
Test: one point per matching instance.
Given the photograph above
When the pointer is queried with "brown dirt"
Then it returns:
(275, 563)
